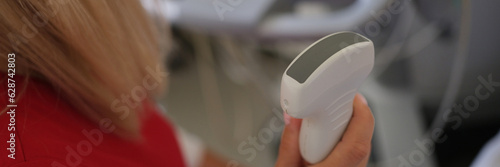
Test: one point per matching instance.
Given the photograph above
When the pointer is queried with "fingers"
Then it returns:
(289, 153)
(360, 129)
(364, 162)
(355, 145)
(353, 149)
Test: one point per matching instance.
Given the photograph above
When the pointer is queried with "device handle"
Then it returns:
(320, 133)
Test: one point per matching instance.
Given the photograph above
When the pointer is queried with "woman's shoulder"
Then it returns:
(39, 123)
(49, 130)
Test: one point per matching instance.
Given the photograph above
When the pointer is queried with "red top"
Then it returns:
(49, 132)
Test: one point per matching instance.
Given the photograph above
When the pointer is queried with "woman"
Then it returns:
(86, 73)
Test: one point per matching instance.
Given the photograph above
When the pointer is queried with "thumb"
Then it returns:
(289, 153)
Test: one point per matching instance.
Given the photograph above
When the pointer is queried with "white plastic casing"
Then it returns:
(325, 99)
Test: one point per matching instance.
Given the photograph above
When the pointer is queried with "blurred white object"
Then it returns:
(192, 147)
(256, 17)
(170, 10)
(490, 154)
(217, 15)
(295, 25)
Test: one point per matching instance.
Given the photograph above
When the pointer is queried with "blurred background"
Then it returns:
(228, 57)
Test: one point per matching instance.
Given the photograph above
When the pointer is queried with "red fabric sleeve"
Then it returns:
(50, 132)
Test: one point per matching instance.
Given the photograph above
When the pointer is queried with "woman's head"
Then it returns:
(91, 51)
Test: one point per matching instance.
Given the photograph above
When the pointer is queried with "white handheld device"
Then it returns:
(319, 86)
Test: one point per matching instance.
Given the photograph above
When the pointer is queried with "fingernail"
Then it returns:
(363, 99)
(286, 118)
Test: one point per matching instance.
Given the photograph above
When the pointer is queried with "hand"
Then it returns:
(353, 149)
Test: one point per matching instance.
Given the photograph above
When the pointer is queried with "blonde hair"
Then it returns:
(92, 51)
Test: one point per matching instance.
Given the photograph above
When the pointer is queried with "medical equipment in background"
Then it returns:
(319, 87)
(270, 18)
